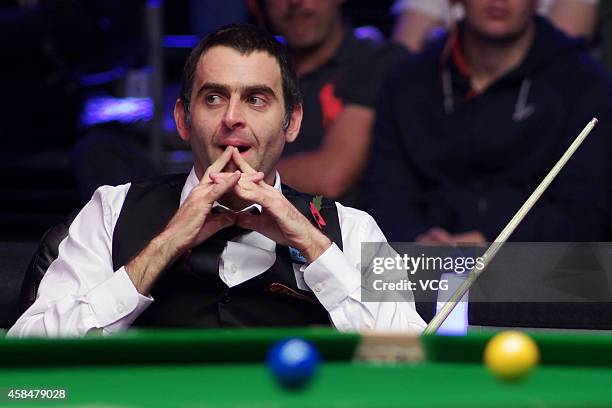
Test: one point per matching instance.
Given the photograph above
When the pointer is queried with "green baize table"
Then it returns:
(226, 368)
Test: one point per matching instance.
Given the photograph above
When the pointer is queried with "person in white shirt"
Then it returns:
(238, 107)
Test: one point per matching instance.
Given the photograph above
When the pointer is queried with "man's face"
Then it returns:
(237, 100)
(499, 20)
(305, 24)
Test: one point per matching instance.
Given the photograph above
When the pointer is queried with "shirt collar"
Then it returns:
(453, 55)
(457, 54)
(192, 181)
(344, 52)
(454, 62)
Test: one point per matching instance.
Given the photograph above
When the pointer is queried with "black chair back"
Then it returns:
(14, 258)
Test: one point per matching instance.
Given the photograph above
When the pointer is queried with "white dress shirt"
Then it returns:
(81, 291)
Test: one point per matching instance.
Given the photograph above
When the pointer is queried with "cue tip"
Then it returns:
(594, 121)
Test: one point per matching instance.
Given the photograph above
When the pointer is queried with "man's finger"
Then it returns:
(268, 187)
(223, 185)
(242, 164)
(218, 164)
(251, 191)
(254, 177)
(440, 234)
(470, 238)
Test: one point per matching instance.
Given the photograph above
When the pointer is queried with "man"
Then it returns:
(340, 78)
(418, 20)
(170, 253)
(469, 128)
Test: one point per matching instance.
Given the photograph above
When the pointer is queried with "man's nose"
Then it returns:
(234, 116)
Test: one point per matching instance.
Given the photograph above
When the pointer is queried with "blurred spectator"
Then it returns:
(468, 128)
(577, 18)
(419, 20)
(340, 78)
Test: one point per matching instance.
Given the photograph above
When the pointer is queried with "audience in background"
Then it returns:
(467, 129)
(419, 20)
(340, 76)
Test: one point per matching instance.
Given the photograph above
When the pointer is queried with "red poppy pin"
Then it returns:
(315, 206)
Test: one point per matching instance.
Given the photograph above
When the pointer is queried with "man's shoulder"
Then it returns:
(577, 75)
(419, 67)
(566, 61)
(115, 195)
(584, 66)
(343, 211)
(171, 180)
(156, 193)
(358, 225)
(352, 213)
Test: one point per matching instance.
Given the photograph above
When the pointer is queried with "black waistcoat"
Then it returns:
(190, 294)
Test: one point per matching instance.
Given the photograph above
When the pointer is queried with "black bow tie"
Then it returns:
(233, 231)
(226, 234)
(205, 257)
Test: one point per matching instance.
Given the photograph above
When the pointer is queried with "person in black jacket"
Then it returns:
(468, 128)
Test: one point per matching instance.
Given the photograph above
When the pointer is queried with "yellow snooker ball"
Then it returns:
(511, 355)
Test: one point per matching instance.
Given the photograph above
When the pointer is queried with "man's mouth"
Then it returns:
(243, 144)
(240, 148)
(497, 12)
(299, 14)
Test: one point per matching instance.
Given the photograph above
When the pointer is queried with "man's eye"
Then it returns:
(213, 99)
(256, 101)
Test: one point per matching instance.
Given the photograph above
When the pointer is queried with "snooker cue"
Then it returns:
(490, 253)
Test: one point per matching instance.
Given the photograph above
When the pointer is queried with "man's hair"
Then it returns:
(244, 38)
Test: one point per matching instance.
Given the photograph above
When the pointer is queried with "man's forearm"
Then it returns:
(319, 243)
(337, 165)
(336, 282)
(146, 267)
(327, 182)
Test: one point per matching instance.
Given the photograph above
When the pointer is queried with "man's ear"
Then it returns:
(180, 118)
(295, 122)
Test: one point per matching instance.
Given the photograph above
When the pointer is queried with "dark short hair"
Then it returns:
(245, 38)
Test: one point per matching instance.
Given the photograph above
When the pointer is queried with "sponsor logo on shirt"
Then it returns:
(331, 105)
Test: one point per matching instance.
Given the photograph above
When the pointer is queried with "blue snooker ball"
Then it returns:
(293, 362)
